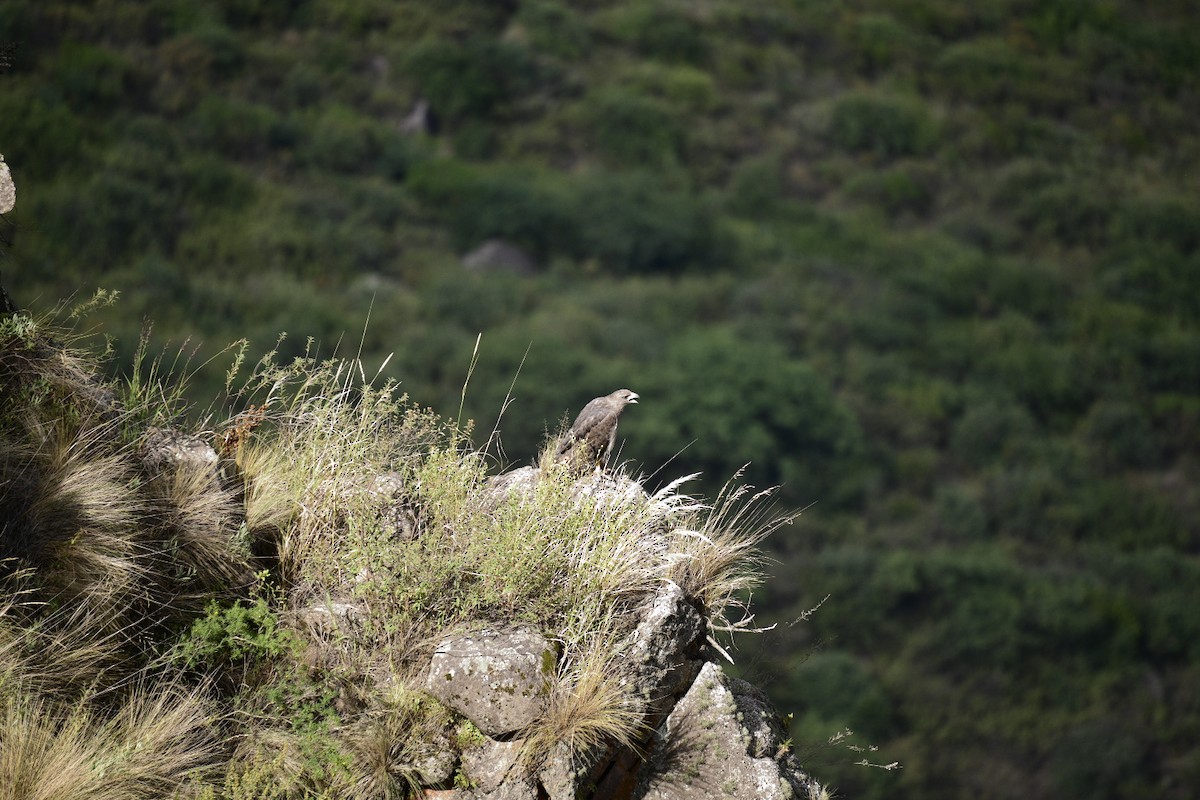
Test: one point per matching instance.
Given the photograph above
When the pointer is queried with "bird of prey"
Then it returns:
(591, 438)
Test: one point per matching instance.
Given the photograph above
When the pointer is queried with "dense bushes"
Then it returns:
(628, 222)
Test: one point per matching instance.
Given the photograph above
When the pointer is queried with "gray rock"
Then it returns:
(397, 517)
(419, 121)
(608, 489)
(663, 653)
(666, 645)
(329, 615)
(8, 189)
(519, 789)
(487, 765)
(568, 774)
(163, 447)
(499, 681)
(722, 741)
(499, 255)
(436, 765)
(519, 481)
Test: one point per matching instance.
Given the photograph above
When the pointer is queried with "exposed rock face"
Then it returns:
(722, 740)
(499, 681)
(707, 735)
(8, 190)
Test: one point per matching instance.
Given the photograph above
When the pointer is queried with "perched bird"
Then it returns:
(591, 438)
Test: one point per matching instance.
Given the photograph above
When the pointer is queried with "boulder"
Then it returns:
(665, 652)
(499, 681)
(667, 644)
(488, 764)
(722, 740)
(499, 255)
(163, 447)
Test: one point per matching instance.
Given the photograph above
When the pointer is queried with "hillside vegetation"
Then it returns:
(932, 266)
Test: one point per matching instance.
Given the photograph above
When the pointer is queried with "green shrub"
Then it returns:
(631, 222)
(837, 689)
(685, 89)
(235, 128)
(661, 31)
(755, 187)
(237, 637)
(40, 134)
(480, 203)
(887, 126)
(478, 77)
(910, 189)
(341, 140)
(877, 41)
(92, 79)
(632, 129)
(985, 70)
(555, 29)
(750, 401)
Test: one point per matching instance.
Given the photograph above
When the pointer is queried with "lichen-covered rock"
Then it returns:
(163, 447)
(522, 788)
(437, 764)
(396, 517)
(722, 741)
(666, 645)
(488, 764)
(499, 681)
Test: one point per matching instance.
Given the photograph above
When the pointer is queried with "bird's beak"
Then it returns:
(633, 397)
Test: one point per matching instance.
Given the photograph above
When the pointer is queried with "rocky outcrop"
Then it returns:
(722, 740)
(707, 735)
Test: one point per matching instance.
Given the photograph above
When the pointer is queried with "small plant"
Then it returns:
(241, 635)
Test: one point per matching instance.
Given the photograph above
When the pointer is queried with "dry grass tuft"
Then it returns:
(158, 739)
(591, 706)
(391, 747)
(717, 561)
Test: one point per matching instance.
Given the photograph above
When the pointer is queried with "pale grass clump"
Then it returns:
(591, 704)
(389, 747)
(57, 656)
(199, 518)
(326, 433)
(716, 560)
(158, 739)
(82, 523)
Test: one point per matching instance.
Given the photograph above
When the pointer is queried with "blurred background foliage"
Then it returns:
(933, 266)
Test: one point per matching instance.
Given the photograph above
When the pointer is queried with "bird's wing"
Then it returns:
(592, 415)
(583, 429)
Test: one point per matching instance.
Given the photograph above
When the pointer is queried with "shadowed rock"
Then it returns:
(8, 189)
(722, 740)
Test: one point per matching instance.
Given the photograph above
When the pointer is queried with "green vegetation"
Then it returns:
(933, 266)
